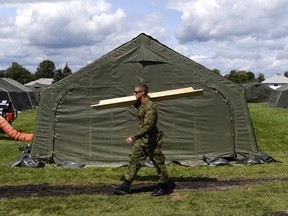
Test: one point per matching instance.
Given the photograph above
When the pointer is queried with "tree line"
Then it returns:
(46, 69)
(242, 76)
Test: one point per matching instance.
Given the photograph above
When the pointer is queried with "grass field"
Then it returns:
(262, 198)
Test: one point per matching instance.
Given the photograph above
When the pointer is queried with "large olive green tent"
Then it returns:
(215, 124)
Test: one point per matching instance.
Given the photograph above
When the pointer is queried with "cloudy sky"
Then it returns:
(249, 35)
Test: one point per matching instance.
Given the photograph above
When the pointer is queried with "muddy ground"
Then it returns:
(204, 184)
(44, 190)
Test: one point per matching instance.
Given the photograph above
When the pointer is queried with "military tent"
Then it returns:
(257, 92)
(279, 97)
(37, 88)
(215, 124)
(39, 84)
(21, 97)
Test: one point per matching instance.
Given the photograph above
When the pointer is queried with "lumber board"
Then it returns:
(154, 96)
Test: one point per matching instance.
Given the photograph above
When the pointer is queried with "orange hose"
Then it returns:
(11, 132)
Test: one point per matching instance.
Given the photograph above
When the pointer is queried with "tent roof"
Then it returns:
(7, 84)
(42, 81)
(276, 79)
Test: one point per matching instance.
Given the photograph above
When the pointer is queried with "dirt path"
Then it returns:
(43, 190)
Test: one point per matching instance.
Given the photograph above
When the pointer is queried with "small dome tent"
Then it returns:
(257, 92)
(215, 124)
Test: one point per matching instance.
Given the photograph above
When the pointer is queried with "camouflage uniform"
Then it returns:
(148, 142)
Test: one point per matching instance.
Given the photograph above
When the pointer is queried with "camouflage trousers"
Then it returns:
(139, 154)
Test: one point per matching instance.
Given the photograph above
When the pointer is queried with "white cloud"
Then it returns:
(248, 34)
(40, 28)
(218, 19)
(75, 31)
(222, 34)
(66, 24)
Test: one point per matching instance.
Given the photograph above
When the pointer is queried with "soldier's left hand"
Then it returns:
(129, 140)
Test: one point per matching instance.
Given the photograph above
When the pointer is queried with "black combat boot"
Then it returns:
(162, 189)
(122, 189)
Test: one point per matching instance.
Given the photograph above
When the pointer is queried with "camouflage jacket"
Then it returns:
(148, 117)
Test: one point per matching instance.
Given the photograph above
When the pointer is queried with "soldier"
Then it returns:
(147, 143)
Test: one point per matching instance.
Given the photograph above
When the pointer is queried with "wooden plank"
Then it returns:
(155, 96)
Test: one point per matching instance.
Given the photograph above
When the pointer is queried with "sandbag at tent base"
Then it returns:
(258, 158)
(26, 161)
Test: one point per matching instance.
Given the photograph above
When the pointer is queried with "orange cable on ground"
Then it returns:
(11, 132)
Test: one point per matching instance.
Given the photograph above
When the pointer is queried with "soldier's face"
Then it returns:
(138, 93)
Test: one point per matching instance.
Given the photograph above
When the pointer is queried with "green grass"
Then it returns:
(270, 125)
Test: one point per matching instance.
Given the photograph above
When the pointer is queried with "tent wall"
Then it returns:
(215, 124)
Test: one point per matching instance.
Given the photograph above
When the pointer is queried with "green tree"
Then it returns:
(251, 76)
(240, 77)
(46, 69)
(60, 74)
(2, 73)
(286, 73)
(57, 76)
(216, 71)
(66, 70)
(19, 73)
(260, 77)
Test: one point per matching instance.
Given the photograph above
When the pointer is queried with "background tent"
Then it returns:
(38, 85)
(37, 88)
(279, 97)
(22, 98)
(215, 124)
(257, 92)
